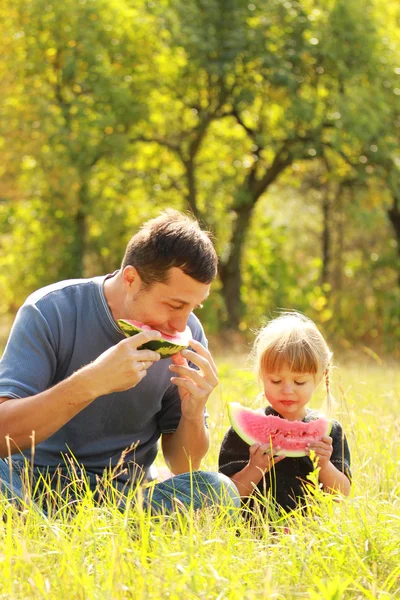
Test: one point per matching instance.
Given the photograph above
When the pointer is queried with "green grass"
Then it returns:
(348, 549)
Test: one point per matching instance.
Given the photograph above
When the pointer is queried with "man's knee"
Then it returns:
(221, 489)
(196, 489)
(5, 475)
(10, 481)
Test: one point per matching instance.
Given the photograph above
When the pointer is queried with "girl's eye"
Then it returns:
(296, 382)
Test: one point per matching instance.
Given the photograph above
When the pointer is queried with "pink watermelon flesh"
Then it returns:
(253, 426)
(182, 338)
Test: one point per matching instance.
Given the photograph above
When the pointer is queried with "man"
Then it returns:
(82, 393)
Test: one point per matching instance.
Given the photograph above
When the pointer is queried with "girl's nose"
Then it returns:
(288, 388)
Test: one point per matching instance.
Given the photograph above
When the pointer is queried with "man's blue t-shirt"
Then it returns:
(58, 330)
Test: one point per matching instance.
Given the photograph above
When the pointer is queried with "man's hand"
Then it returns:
(123, 366)
(195, 386)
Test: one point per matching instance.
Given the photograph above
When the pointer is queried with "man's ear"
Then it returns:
(131, 278)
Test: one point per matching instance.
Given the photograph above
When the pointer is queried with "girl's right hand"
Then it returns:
(262, 457)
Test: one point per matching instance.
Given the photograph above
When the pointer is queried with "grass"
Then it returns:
(347, 549)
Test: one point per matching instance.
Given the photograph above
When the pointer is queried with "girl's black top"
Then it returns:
(284, 485)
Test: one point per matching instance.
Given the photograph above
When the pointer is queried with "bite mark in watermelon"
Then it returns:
(166, 346)
(255, 427)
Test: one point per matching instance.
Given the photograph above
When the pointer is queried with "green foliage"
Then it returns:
(81, 85)
(302, 80)
(240, 112)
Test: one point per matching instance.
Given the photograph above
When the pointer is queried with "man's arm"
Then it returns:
(119, 368)
(43, 413)
(184, 449)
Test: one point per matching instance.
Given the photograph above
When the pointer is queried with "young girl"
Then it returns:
(291, 358)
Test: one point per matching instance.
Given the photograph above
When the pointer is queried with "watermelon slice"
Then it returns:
(166, 346)
(292, 437)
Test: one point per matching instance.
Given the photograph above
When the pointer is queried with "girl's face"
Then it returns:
(288, 393)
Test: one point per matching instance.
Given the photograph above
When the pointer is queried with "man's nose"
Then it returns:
(178, 322)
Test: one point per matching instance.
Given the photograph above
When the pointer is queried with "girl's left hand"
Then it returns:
(323, 450)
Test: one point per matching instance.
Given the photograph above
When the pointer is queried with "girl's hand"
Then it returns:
(323, 450)
(262, 457)
(261, 461)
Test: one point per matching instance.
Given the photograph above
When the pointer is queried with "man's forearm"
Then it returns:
(184, 449)
(43, 413)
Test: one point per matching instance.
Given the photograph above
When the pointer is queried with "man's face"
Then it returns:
(167, 306)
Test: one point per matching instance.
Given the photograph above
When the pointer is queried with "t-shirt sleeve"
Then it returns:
(341, 454)
(169, 416)
(29, 360)
(234, 454)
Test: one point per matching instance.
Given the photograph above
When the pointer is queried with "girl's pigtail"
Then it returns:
(329, 402)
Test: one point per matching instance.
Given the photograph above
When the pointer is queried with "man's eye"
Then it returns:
(272, 381)
(300, 382)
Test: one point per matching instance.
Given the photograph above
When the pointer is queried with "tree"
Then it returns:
(80, 85)
(275, 82)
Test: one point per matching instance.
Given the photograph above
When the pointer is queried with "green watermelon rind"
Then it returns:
(234, 407)
(165, 348)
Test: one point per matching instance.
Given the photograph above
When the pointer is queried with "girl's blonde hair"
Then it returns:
(292, 340)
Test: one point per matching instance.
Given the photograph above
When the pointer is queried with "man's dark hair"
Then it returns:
(171, 240)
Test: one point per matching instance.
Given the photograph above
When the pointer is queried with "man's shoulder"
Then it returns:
(63, 288)
(66, 302)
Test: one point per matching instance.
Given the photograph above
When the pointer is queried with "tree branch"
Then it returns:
(234, 113)
(161, 142)
(282, 159)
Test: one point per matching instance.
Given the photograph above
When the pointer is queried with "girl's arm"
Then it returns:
(261, 461)
(333, 480)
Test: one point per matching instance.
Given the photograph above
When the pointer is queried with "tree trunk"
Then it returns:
(78, 246)
(192, 186)
(394, 216)
(326, 236)
(230, 270)
(243, 206)
(338, 278)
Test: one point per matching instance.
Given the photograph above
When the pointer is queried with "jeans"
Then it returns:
(197, 489)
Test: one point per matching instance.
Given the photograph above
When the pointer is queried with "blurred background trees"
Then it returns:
(276, 123)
